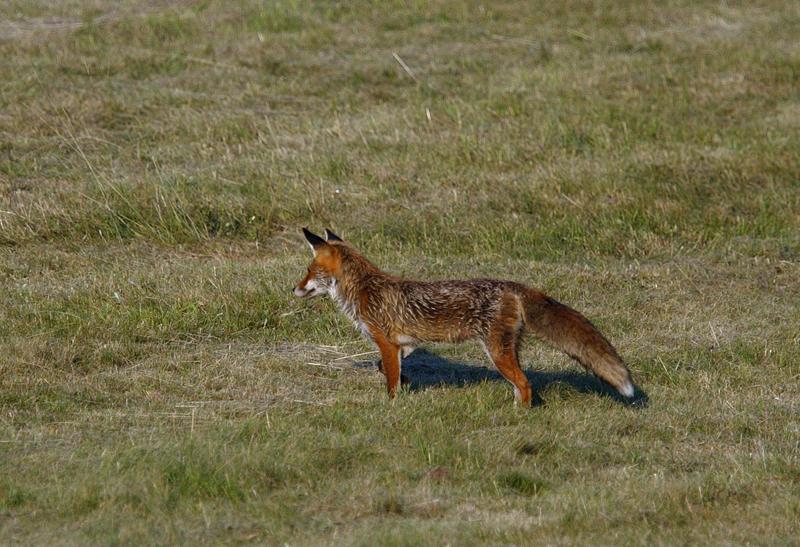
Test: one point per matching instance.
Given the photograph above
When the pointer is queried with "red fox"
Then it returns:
(397, 314)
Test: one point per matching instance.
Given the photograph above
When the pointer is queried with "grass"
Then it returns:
(159, 383)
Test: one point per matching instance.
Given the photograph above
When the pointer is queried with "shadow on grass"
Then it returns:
(425, 370)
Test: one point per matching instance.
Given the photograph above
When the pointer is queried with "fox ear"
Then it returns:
(313, 239)
(330, 236)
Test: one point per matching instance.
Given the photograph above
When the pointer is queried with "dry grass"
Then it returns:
(160, 385)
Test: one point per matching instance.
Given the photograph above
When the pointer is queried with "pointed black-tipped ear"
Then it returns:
(313, 239)
(330, 236)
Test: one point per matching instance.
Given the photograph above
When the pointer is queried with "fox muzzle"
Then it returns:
(302, 293)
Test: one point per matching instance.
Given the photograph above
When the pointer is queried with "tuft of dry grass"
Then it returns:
(159, 384)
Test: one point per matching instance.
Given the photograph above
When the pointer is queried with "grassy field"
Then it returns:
(159, 383)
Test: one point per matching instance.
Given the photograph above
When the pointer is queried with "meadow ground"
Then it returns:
(159, 383)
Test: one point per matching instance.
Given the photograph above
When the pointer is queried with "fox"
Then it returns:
(398, 314)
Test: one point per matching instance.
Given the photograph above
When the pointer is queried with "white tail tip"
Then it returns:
(627, 389)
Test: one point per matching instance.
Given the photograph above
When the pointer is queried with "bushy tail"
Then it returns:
(570, 332)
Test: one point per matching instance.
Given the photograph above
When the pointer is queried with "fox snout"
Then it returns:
(308, 288)
(301, 292)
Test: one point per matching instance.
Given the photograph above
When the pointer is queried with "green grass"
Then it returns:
(159, 383)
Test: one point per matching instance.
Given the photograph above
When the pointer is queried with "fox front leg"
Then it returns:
(390, 361)
(404, 380)
(406, 351)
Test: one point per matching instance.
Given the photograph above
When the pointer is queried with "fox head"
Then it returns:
(320, 278)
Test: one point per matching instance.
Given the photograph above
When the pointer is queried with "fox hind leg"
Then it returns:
(502, 350)
(502, 344)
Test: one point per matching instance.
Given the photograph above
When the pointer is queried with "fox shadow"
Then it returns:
(425, 370)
